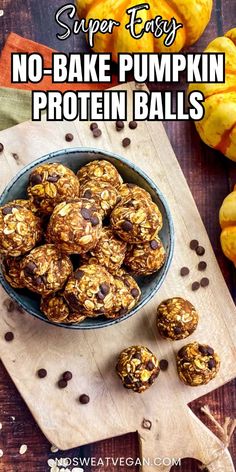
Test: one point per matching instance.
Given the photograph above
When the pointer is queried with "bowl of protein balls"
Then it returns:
(86, 238)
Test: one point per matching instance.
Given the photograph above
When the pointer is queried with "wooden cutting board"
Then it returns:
(91, 355)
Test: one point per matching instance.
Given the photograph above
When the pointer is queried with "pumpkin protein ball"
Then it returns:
(51, 184)
(90, 289)
(11, 270)
(197, 364)
(129, 191)
(176, 318)
(127, 294)
(109, 251)
(102, 193)
(138, 368)
(20, 230)
(45, 270)
(100, 170)
(147, 258)
(136, 221)
(55, 308)
(75, 227)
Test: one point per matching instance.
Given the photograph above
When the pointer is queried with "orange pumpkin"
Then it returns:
(193, 14)
(218, 127)
(228, 225)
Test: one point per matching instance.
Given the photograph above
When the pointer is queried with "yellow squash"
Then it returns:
(193, 14)
(228, 225)
(218, 127)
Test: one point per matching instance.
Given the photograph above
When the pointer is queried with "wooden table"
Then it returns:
(210, 177)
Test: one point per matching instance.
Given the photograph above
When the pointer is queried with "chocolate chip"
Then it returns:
(30, 268)
(86, 214)
(120, 125)
(195, 286)
(200, 251)
(84, 399)
(164, 364)
(72, 298)
(194, 244)
(79, 274)
(137, 356)
(15, 156)
(123, 311)
(96, 133)
(38, 280)
(126, 282)
(1, 147)
(126, 142)
(69, 137)
(36, 179)
(128, 380)
(105, 289)
(130, 185)
(88, 194)
(94, 220)
(154, 244)
(133, 124)
(147, 424)
(7, 210)
(210, 351)
(53, 178)
(135, 292)
(184, 271)
(204, 282)
(202, 266)
(9, 336)
(152, 378)
(127, 226)
(177, 330)
(211, 364)
(93, 126)
(62, 383)
(100, 295)
(150, 365)
(42, 373)
(130, 203)
(67, 375)
(203, 350)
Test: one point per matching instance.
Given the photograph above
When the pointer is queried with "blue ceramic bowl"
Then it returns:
(76, 158)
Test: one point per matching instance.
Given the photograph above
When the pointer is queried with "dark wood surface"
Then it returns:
(210, 177)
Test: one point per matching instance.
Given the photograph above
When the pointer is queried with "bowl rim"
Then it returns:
(103, 153)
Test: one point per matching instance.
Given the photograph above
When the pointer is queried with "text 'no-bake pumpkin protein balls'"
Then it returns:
(112, 226)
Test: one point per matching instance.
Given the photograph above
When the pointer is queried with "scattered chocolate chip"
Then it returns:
(127, 226)
(128, 380)
(146, 424)
(7, 210)
(204, 282)
(154, 244)
(67, 375)
(123, 311)
(69, 137)
(38, 280)
(93, 126)
(184, 271)
(53, 178)
(84, 399)
(211, 364)
(62, 383)
(203, 350)
(164, 364)
(30, 268)
(135, 292)
(177, 330)
(133, 124)
(86, 214)
(15, 156)
(200, 251)
(36, 179)
(150, 365)
(72, 298)
(210, 351)
(126, 142)
(1, 147)
(195, 286)
(130, 203)
(105, 289)
(137, 356)
(96, 133)
(94, 220)
(88, 194)
(79, 274)
(202, 266)
(194, 244)
(9, 304)
(9, 336)
(100, 295)
(42, 373)
(120, 125)
(152, 379)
